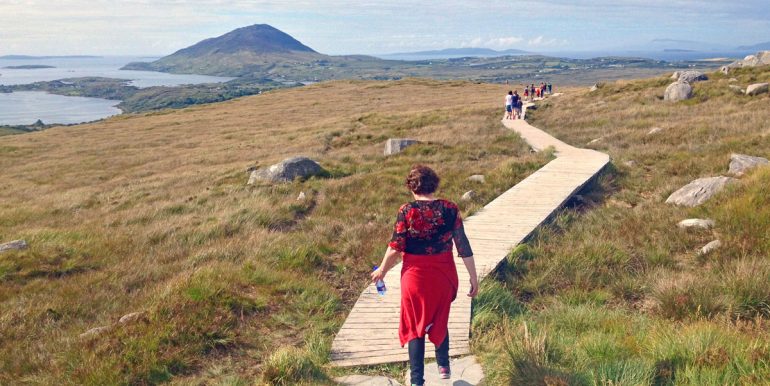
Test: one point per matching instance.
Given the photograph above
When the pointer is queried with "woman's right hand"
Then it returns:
(377, 274)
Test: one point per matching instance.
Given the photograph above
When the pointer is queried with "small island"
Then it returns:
(28, 67)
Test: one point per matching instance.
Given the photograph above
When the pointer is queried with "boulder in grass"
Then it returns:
(678, 91)
(699, 191)
(477, 178)
(696, 223)
(132, 317)
(655, 130)
(692, 76)
(675, 75)
(94, 332)
(710, 247)
(288, 170)
(397, 145)
(741, 163)
(756, 89)
(468, 196)
(15, 245)
(736, 89)
(594, 88)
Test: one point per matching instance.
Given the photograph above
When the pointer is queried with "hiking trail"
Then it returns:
(369, 336)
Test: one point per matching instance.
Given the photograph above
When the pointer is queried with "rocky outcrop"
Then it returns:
(594, 88)
(397, 145)
(699, 191)
(756, 89)
(675, 75)
(288, 170)
(736, 89)
(15, 245)
(741, 163)
(762, 58)
(468, 196)
(696, 223)
(692, 76)
(678, 91)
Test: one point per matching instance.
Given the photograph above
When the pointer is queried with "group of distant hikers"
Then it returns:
(514, 101)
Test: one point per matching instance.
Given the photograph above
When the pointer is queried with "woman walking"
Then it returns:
(423, 236)
(509, 105)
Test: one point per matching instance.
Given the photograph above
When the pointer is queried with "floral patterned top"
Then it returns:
(428, 227)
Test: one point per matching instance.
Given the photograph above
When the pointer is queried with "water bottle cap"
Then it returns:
(375, 268)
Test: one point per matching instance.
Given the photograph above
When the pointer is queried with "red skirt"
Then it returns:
(428, 287)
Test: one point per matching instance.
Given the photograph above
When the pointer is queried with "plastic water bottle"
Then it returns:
(380, 285)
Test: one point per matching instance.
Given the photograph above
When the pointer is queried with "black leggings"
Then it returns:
(417, 357)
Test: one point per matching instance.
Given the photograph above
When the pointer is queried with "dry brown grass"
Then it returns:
(151, 213)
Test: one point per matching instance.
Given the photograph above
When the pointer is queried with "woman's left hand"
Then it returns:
(474, 289)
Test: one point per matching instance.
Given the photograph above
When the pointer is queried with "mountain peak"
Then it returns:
(257, 39)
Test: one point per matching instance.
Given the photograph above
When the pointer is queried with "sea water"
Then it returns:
(22, 108)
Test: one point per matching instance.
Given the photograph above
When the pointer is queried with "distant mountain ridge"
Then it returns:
(448, 53)
(756, 47)
(242, 51)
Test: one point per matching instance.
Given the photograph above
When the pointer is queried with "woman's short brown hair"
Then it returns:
(422, 180)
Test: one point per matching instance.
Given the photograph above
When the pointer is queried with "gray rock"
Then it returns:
(15, 245)
(301, 196)
(132, 317)
(736, 89)
(595, 141)
(466, 371)
(762, 58)
(741, 163)
(397, 145)
(699, 191)
(692, 76)
(287, 170)
(675, 75)
(732, 80)
(366, 380)
(655, 130)
(96, 331)
(630, 163)
(594, 88)
(696, 223)
(710, 247)
(756, 89)
(724, 69)
(468, 196)
(477, 178)
(678, 91)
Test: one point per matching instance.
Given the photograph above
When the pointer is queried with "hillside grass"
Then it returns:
(612, 292)
(238, 284)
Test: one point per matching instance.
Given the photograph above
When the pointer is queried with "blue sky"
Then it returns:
(159, 27)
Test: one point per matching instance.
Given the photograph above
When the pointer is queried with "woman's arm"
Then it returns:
(388, 261)
(470, 265)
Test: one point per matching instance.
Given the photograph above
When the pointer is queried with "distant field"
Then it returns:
(612, 292)
(238, 283)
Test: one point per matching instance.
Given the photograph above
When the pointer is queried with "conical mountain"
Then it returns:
(239, 52)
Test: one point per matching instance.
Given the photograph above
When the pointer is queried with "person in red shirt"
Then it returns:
(424, 233)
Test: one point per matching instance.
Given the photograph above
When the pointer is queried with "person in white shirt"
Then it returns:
(509, 105)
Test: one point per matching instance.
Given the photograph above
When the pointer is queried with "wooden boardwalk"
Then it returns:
(369, 336)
